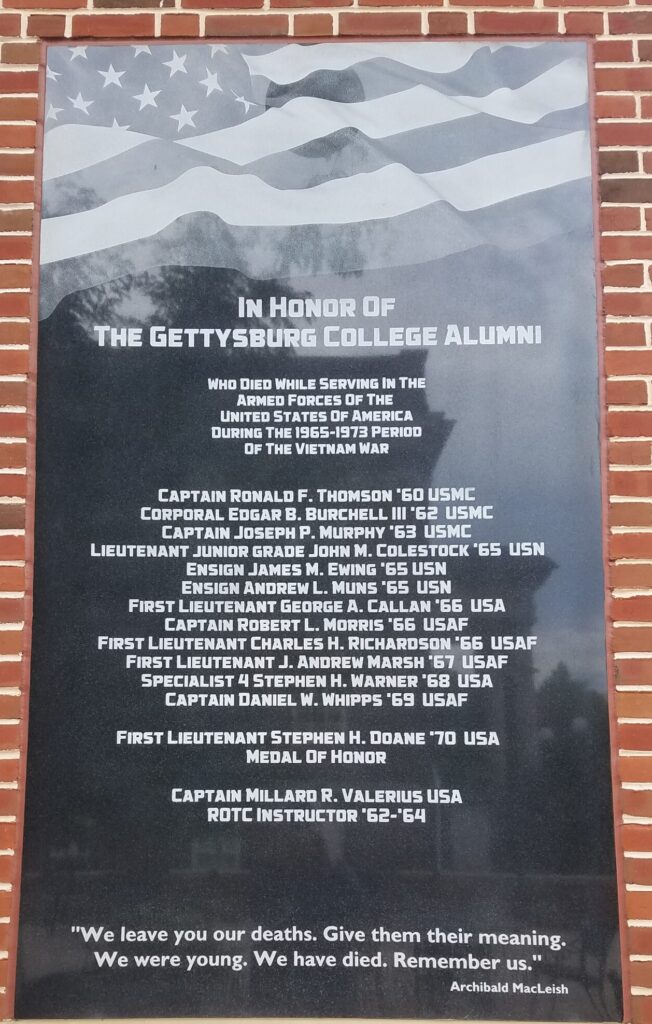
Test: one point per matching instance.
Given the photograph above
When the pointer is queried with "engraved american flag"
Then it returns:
(304, 159)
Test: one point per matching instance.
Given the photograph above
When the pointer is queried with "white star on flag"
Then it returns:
(211, 82)
(79, 103)
(111, 76)
(115, 124)
(147, 98)
(184, 118)
(141, 49)
(52, 112)
(177, 63)
(78, 51)
(52, 74)
(245, 103)
(218, 49)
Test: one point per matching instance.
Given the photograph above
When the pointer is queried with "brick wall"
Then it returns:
(623, 109)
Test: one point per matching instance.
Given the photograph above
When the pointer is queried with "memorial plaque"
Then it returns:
(318, 717)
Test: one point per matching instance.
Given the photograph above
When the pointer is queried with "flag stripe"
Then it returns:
(344, 153)
(295, 61)
(386, 193)
(305, 119)
(510, 66)
(73, 147)
(301, 253)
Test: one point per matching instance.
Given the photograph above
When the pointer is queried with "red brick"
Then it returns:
(619, 218)
(630, 545)
(630, 453)
(640, 943)
(645, 49)
(617, 161)
(630, 23)
(626, 247)
(630, 513)
(390, 23)
(21, 136)
(638, 839)
(441, 23)
(615, 106)
(13, 360)
(11, 674)
(626, 392)
(499, 3)
(639, 905)
(583, 23)
(302, 4)
(16, 247)
(18, 81)
(17, 163)
(51, 5)
(21, 53)
(16, 275)
(8, 773)
(46, 26)
(627, 133)
(631, 609)
(12, 333)
(10, 735)
(12, 516)
(6, 898)
(12, 393)
(634, 672)
(634, 79)
(240, 25)
(635, 704)
(623, 334)
(16, 191)
(635, 736)
(12, 548)
(12, 485)
(7, 872)
(216, 5)
(413, 3)
(11, 642)
(11, 703)
(11, 610)
(640, 975)
(630, 576)
(180, 25)
(628, 303)
(122, 4)
(525, 23)
(16, 220)
(119, 26)
(313, 25)
(14, 304)
(13, 424)
(9, 804)
(12, 578)
(12, 456)
(9, 24)
(608, 50)
(624, 275)
(630, 639)
(638, 803)
(629, 424)
(624, 364)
